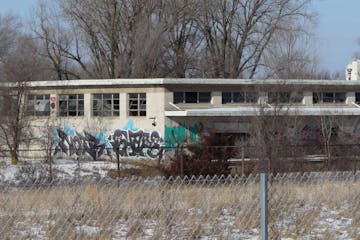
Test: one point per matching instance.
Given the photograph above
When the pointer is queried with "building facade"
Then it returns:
(144, 117)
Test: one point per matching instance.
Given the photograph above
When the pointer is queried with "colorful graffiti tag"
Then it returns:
(176, 136)
(125, 142)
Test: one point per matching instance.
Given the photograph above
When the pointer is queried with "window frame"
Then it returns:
(139, 103)
(283, 97)
(31, 103)
(101, 111)
(242, 97)
(193, 97)
(79, 108)
(357, 97)
(331, 98)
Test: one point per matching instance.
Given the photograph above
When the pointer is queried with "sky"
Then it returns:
(335, 35)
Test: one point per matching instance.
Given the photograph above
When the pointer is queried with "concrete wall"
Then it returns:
(171, 130)
(68, 130)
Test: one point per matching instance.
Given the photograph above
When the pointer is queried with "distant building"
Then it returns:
(352, 70)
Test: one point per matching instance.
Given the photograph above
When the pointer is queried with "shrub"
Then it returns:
(209, 157)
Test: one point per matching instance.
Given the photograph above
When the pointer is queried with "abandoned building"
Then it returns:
(141, 117)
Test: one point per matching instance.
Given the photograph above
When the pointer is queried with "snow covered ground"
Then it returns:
(62, 169)
(136, 209)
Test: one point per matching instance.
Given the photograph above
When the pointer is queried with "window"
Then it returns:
(192, 97)
(105, 104)
(329, 97)
(285, 97)
(239, 97)
(178, 97)
(357, 97)
(38, 105)
(137, 104)
(71, 105)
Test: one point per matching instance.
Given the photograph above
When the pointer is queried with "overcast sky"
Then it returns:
(336, 33)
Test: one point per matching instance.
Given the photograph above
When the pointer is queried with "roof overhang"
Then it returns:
(137, 82)
(260, 111)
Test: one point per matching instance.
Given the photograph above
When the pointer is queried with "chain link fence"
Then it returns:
(301, 206)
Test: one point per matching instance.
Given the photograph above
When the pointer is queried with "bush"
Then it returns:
(209, 157)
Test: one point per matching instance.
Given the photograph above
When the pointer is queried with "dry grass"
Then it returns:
(162, 210)
(141, 168)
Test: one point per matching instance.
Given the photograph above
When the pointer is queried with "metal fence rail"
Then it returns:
(301, 206)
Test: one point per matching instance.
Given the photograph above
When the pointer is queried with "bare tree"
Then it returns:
(57, 40)
(274, 135)
(291, 54)
(238, 32)
(19, 65)
(183, 38)
(163, 38)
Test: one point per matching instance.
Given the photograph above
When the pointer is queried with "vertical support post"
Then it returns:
(242, 159)
(264, 205)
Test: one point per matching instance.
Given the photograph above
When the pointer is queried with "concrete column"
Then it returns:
(216, 99)
(87, 106)
(350, 97)
(308, 98)
(263, 97)
(123, 106)
(169, 97)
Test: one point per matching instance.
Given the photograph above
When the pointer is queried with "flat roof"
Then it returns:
(185, 81)
(257, 111)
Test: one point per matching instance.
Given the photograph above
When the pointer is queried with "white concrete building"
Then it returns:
(352, 70)
(138, 117)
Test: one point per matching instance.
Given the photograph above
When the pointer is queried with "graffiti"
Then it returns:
(127, 143)
(122, 143)
(175, 136)
(79, 145)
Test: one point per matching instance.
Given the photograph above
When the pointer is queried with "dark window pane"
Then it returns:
(340, 97)
(143, 104)
(191, 97)
(251, 97)
(204, 97)
(317, 97)
(178, 97)
(328, 97)
(226, 97)
(296, 97)
(142, 113)
(238, 97)
(133, 113)
(97, 96)
(63, 97)
(357, 97)
(133, 95)
(107, 96)
(284, 97)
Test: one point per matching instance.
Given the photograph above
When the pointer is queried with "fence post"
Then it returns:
(264, 205)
